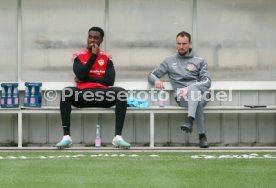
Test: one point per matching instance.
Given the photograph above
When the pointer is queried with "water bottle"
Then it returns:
(32, 99)
(27, 96)
(3, 97)
(9, 96)
(15, 97)
(98, 141)
(162, 98)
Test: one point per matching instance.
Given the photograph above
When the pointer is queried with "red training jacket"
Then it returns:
(97, 70)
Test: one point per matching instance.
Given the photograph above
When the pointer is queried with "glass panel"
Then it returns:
(52, 31)
(237, 38)
(8, 41)
(142, 33)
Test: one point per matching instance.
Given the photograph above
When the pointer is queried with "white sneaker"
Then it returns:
(65, 142)
(119, 142)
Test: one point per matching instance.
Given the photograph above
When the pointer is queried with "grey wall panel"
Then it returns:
(266, 128)
(9, 40)
(25, 127)
(37, 132)
(15, 128)
(254, 57)
(230, 128)
(142, 128)
(248, 128)
(37, 53)
(213, 128)
(107, 122)
(177, 135)
(76, 128)
(162, 129)
(7, 128)
(55, 131)
(129, 129)
(89, 132)
(193, 138)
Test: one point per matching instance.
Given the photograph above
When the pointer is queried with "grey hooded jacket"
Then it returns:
(183, 71)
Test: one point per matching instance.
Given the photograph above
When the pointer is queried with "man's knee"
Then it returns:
(206, 97)
(120, 93)
(66, 93)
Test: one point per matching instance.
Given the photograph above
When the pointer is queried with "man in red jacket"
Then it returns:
(95, 74)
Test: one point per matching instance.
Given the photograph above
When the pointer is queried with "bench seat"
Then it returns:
(154, 109)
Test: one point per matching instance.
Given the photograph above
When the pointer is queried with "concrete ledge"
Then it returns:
(144, 85)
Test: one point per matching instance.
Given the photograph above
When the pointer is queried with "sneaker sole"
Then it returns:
(121, 147)
(186, 129)
(204, 146)
(63, 147)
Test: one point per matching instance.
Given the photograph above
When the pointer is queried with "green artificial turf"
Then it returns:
(131, 170)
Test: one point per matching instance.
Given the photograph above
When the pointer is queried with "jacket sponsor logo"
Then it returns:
(174, 65)
(97, 72)
(190, 67)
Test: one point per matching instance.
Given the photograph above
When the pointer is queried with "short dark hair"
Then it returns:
(100, 30)
(184, 33)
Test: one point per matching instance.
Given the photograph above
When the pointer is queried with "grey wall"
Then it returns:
(39, 37)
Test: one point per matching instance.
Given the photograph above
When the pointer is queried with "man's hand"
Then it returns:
(182, 92)
(77, 80)
(95, 48)
(159, 84)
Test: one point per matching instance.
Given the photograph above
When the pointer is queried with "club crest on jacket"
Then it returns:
(101, 62)
(190, 67)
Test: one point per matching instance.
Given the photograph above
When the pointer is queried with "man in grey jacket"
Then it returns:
(190, 80)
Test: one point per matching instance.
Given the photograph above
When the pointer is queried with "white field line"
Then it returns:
(73, 156)
(244, 156)
(202, 156)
